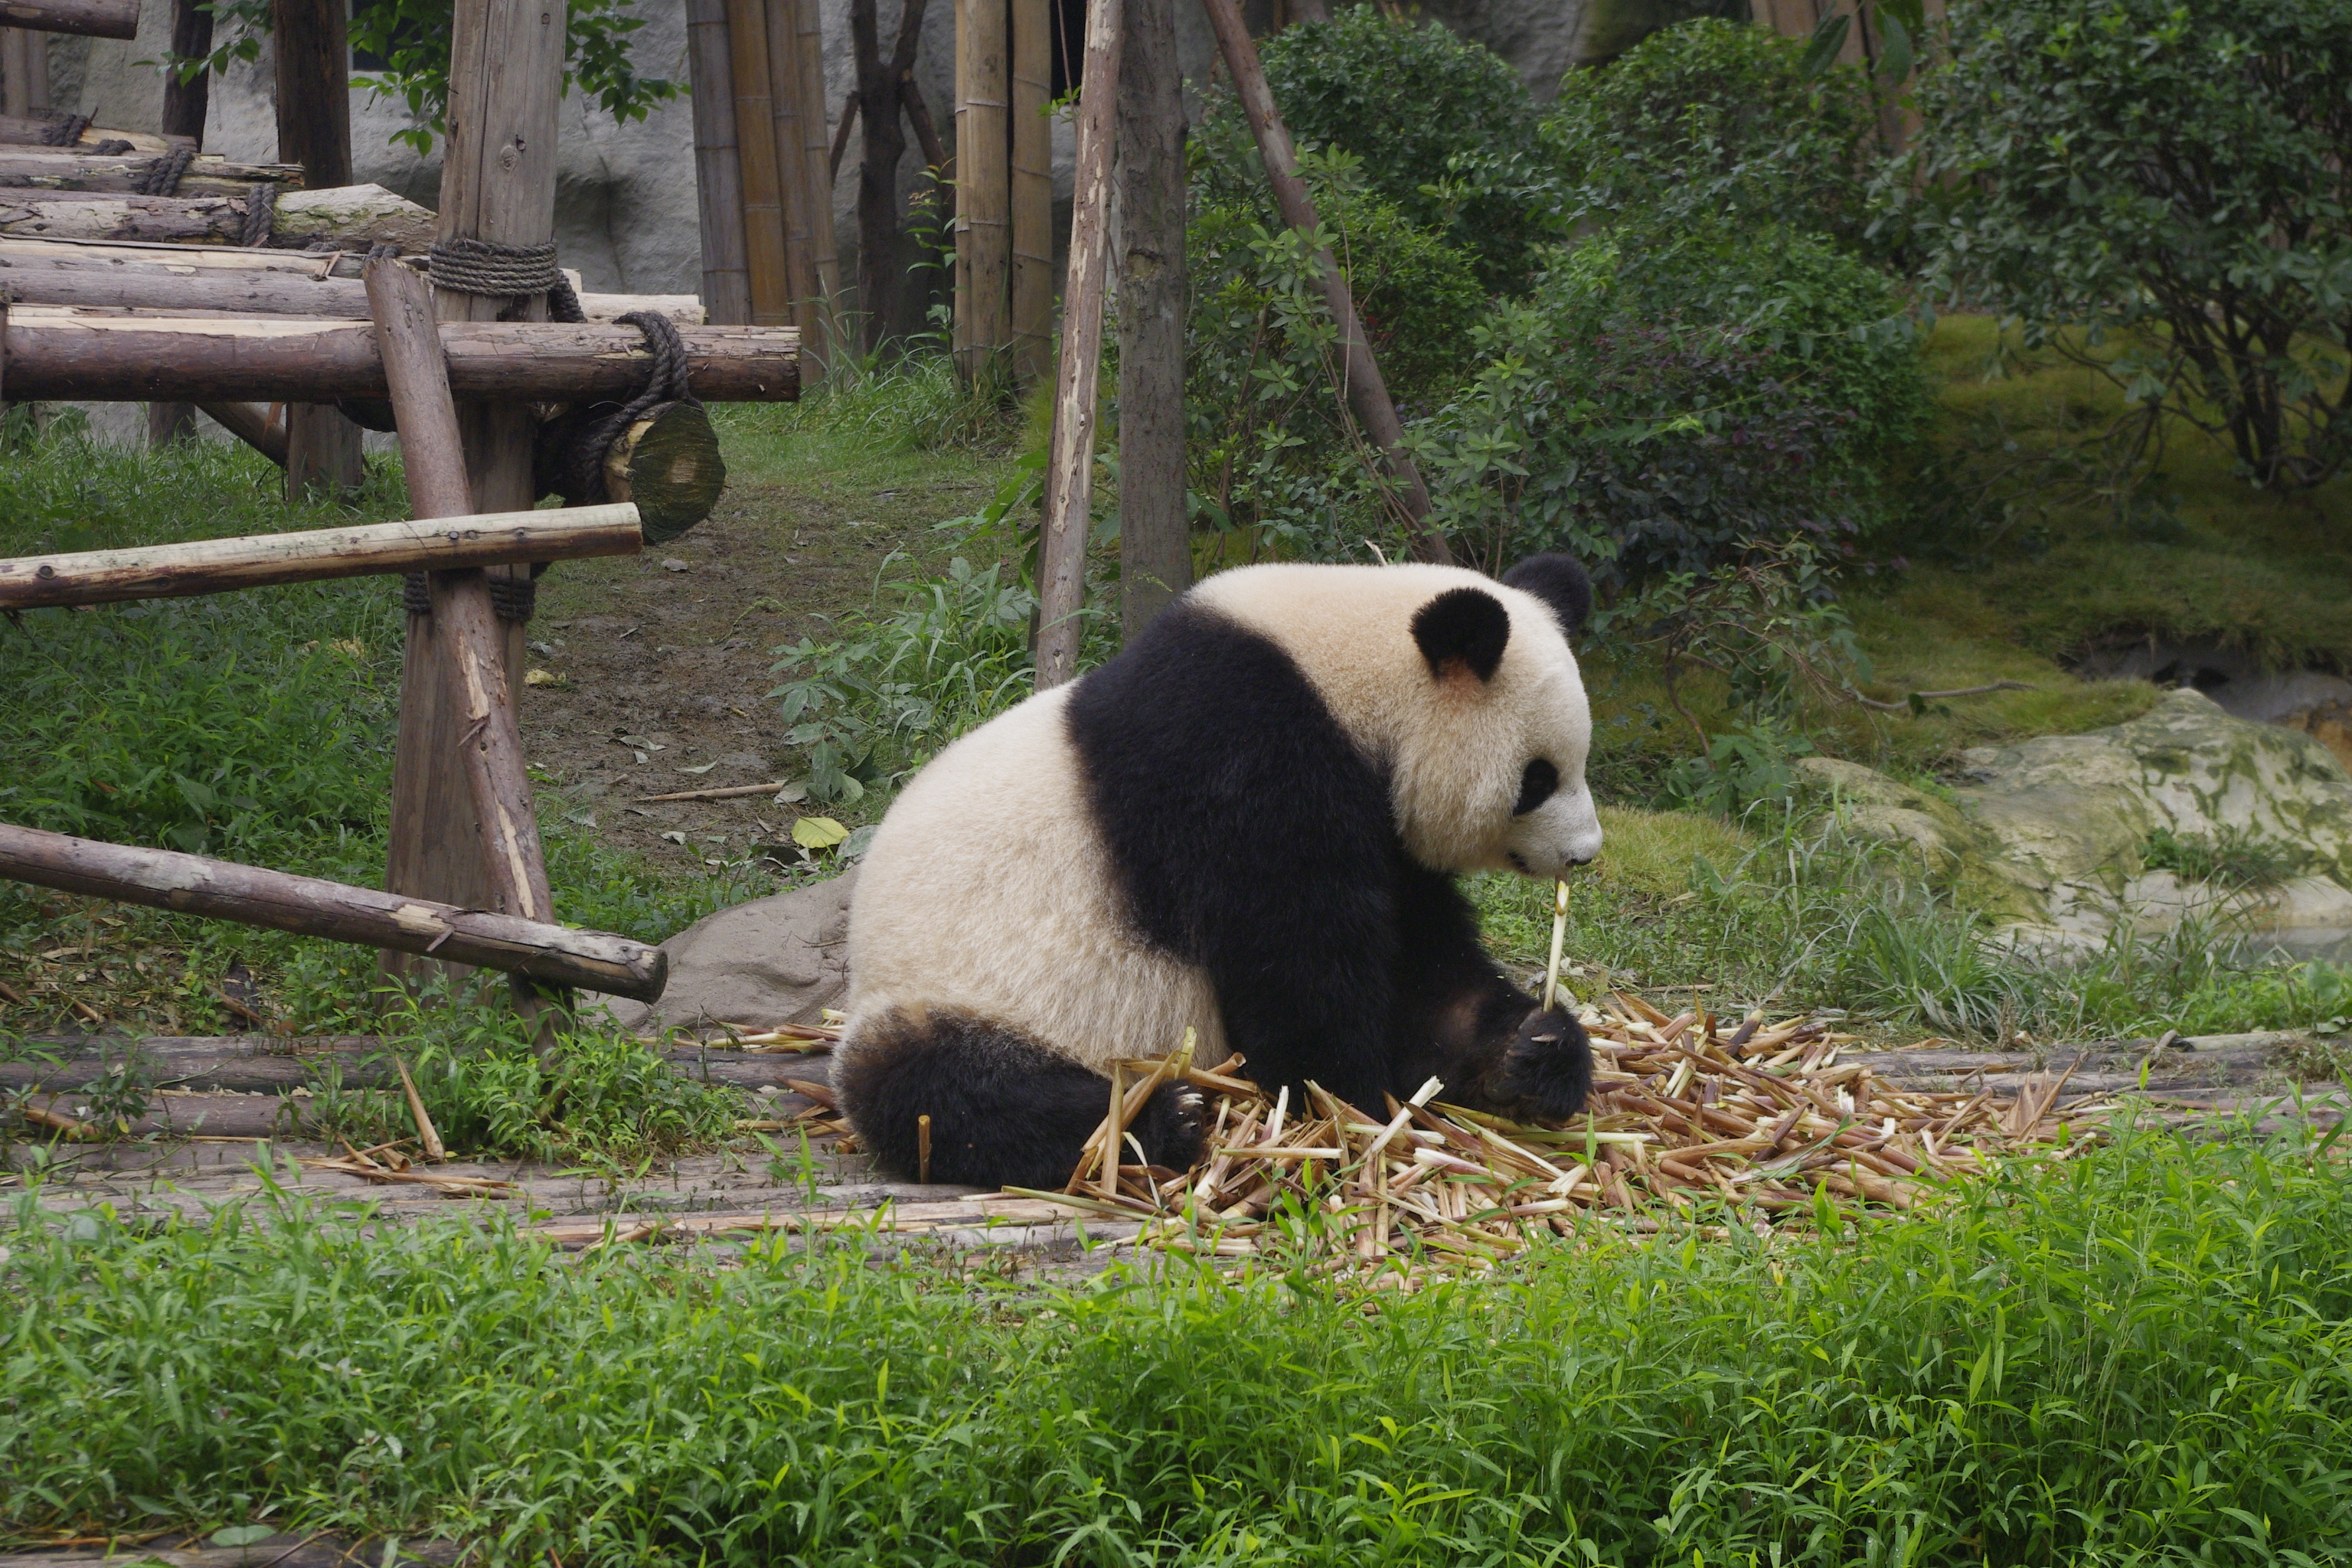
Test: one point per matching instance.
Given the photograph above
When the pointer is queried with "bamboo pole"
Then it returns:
(824, 257)
(252, 895)
(785, 88)
(450, 543)
(24, 66)
(1032, 189)
(983, 241)
(763, 202)
(1366, 392)
(718, 164)
(1069, 475)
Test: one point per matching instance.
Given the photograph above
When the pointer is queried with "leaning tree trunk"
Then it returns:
(879, 105)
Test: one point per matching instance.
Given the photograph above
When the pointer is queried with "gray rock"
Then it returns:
(2049, 834)
(779, 959)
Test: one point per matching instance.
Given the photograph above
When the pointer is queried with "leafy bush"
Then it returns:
(899, 684)
(1670, 395)
(1720, 120)
(2171, 171)
(1439, 123)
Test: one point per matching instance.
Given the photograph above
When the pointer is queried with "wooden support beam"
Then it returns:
(24, 72)
(1367, 393)
(185, 103)
(312, 906)
(1069, 472)
(983, 175)
(278, 283)
(205, 358)
(1148, 252)
(260, 425)
(498, 184)
(717, 163)
(1031, 190)
(91, 18)
(357, 215)
(34, 130)
(317, 555)
(127, 174)
(314, 130)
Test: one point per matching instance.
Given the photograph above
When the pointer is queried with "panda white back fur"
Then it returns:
(1246, 824)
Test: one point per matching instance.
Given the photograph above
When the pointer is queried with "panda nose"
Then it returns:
(1573, 862)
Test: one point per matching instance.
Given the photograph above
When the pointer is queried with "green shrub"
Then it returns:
(1673, 391)
(1719, 118)
(2170, 171)
(1436, 120)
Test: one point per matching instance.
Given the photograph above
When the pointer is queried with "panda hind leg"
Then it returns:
(1005, 1110)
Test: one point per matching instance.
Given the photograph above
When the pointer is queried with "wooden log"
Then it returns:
(983, 175)
(134, 359)
(1031, 190)
(1367, 393)
(314, 132)
(1147, 250)
(186, 101)
(24, 64)
(312, 906)
(67, 169)
(34, 130)
(260, 425)
(717, 163)
(90, 18)
(317, 555)
(357, 214)
(497, 183)
(668, 464)
(1069, 473)
(322, 452)
(469, 644)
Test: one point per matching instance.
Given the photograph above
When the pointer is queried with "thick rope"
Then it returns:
(164, 174)
(505, 272)
(65, 129)
(666, 383)
(260, 215)
(113, 147)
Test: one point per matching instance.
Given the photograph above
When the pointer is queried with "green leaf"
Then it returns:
(1894, 51)
(242, 1534)
(1829, 37)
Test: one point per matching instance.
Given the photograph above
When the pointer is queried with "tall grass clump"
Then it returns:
(2137, 1355)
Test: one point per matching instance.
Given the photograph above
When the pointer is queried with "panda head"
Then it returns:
(1487, 748)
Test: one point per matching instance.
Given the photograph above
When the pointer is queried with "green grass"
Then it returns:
(255, 726)
(2141, 1355)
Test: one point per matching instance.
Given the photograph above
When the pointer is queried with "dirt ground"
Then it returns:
(663, 661)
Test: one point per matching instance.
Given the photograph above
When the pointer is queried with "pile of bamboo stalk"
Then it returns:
(1693, 1117)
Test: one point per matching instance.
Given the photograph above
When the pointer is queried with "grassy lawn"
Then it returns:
(2136, 1356)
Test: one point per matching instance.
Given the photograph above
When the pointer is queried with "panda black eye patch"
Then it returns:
(1536, 786)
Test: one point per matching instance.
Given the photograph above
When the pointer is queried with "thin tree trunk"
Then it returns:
(1069, 475)
(1367, 393)
(1155, 554)
(880, 104)
(314, 129)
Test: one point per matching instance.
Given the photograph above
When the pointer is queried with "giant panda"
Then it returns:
(1248, 823)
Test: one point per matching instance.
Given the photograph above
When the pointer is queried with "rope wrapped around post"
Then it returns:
(505, 272)
(65, 129)
(162, 177)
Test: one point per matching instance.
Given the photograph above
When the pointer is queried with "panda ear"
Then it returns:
(1559, 582)
(1462, 629)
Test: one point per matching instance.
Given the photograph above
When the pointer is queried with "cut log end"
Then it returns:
(669, 464)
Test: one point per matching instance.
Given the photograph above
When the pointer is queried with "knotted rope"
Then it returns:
(65, 129)
(163, 175)
(666, 383)
(505, 272)
(260, 215)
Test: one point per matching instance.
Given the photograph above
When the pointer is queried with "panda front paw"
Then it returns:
(1546, 1069)
(1173, 1127)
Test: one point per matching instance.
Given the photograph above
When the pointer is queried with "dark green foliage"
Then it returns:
(1717, 119)
(1672, 392)
(1436, 120)
(2136, 1357)
(2170, 170)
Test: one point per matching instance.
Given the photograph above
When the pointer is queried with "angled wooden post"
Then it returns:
(1069, 473)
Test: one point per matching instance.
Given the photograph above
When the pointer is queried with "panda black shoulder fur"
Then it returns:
(1248, 823)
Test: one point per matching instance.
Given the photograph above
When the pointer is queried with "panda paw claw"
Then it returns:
(1546, 1069)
